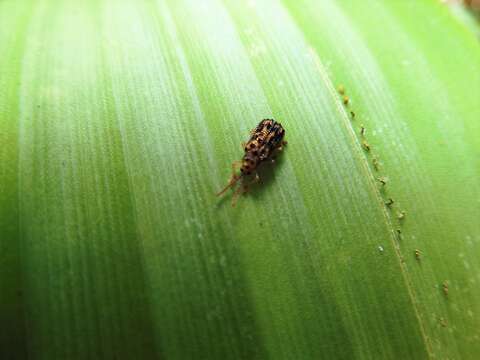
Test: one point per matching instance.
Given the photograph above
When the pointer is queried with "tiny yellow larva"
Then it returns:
(376, 163)
(401, 215)
(362, 130)
(443, 322)
(382, 180)
(417, 254)
(266, 140)
(341, 89)
(346, 100)
(445, 288)
(366, 145)
(352, 114)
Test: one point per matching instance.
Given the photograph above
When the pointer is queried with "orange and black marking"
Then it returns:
(266, 140)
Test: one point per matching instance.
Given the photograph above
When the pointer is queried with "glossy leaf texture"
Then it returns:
(119, 121)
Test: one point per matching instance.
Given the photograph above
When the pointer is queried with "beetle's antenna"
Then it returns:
(233, 180)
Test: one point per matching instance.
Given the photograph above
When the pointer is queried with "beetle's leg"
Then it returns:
(236, 194)
(283, 143)
(246, 187)
(233, 178)
(275, 153)
(243, 189)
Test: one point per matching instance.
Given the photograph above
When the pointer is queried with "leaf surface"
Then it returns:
(119, 122)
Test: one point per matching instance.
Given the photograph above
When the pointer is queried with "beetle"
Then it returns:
(266, 140)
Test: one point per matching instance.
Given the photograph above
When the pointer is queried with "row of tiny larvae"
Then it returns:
(383, 181)
(389, 202)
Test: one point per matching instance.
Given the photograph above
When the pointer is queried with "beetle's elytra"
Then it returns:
(265, 142)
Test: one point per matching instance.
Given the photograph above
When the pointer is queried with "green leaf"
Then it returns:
(119, 121)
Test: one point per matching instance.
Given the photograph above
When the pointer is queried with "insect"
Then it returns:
(382, 180)
(443, 322)
(366, 145)
(362, 130)
(266, 140)
(417, 254)
(445, 287)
